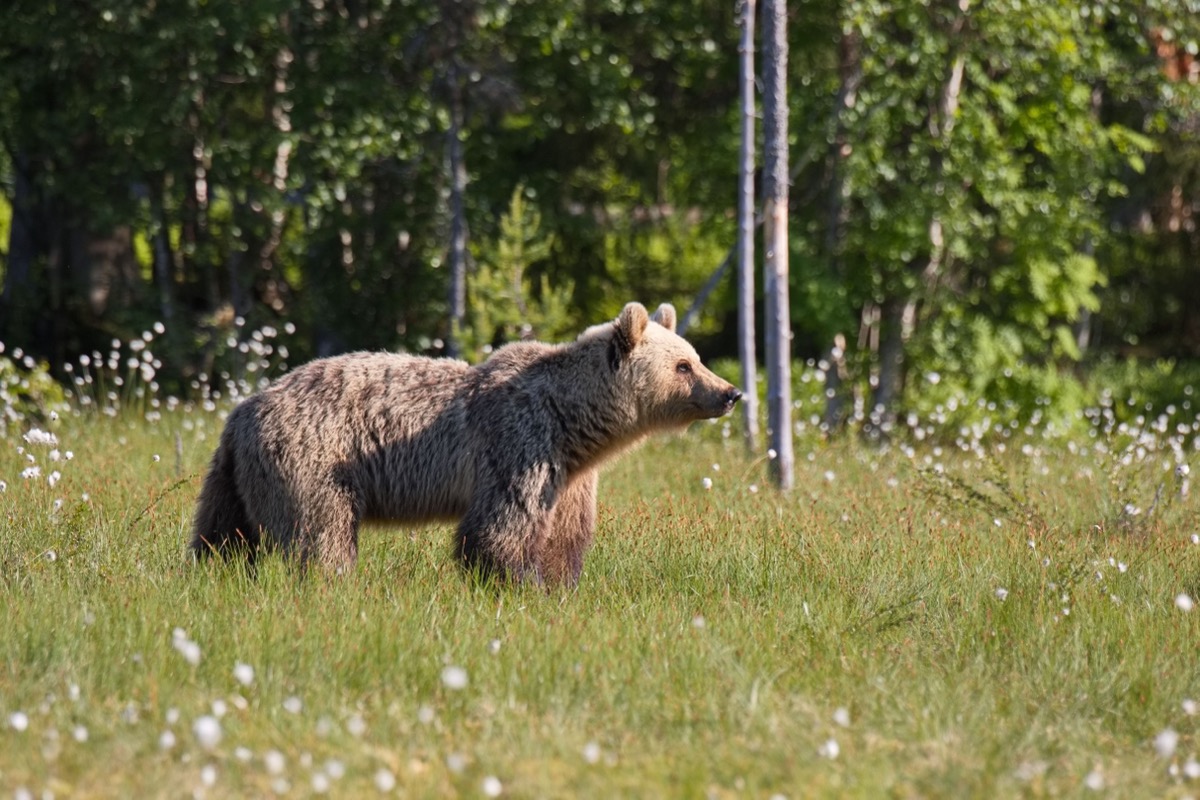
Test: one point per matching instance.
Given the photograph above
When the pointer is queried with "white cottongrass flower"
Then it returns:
(274, 761)
(1184, 602)
(31, 472)
(80, 734)
(18, 721)
(494, 646)
(830, 476)
(219, 707)
(841, 716)
(698, 622)
(292, 705)
(754, 488)
(1191, 768)
(166, 740)
(320, 782)
(425, 714)
(591, 753)
(172, 716)
(53, 478)
(1001, 593)
(1094, 780)
(335, 769)
(456, 762)
(1196, 538)
(187, 648)
(1190, 707)
(156, 458)
(356, 725)
(385, 781)
(207, 731)
(39, 436)
(492, 787)
(3, 487)
(243, 673)
(243, 754)
(772, 455)
(1165, 742)
(208, 774)
(454, 678)
(706, 483)
(829, 749)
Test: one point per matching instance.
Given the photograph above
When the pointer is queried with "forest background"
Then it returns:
(996, 200)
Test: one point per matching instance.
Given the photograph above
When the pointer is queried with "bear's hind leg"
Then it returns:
(323, 528)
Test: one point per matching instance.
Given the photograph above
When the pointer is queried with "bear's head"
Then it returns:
(664, 374)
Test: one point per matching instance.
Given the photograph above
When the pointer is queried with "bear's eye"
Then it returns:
(683, 368)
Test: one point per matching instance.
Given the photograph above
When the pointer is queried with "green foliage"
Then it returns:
(27, 392)
(504, 304)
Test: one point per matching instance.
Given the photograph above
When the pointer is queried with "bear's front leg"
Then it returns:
(569, 535)
(501, 531)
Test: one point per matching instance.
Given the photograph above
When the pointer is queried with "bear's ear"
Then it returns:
(630, 326)
(665, 316)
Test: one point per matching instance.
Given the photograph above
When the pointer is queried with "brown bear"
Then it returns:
(509, 448)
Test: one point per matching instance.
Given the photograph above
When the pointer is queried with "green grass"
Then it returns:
(712, 639)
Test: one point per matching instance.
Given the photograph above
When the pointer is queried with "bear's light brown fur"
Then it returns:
(509, 448)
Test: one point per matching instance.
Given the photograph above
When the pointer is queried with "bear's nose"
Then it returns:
(733, 395)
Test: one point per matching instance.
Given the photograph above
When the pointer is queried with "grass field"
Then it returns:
(973, 621)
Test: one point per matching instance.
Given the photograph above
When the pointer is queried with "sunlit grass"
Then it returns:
(909, 622)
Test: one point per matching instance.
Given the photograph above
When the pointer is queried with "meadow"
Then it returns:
(956, 613)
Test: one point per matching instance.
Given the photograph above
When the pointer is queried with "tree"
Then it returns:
(775, 235)
(746, 230)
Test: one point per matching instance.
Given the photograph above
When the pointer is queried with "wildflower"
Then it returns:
(292, 705)
(754, 488)
(771, 454)
(18, 721)
(454, 678)
(491, 786)
(31, 472)
(1191, 768)
(243, 754)
(1190, 707)
(841, 716)
(698, 622)
(494, 646)
(591, 753)
(829, 476)
(39, 436)
(243, 673)
(1094, 780)
(274, 761)
(80, 734)
(1001, 593)
(208, 775)
(456, 762)
(716, 467)
(1165, 742)
(1184, 603)
(706, 483)
(207, 731)
(219, 708)
(53, 478)
(335, 769)
(425, 714)
(385, 781)
(320, 782)
(829, 750)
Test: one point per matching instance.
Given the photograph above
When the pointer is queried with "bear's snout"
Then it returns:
(731, 397)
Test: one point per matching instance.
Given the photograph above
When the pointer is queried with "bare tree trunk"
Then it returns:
(458, 221)
(775, 224)
(746, 206)
(162, 251)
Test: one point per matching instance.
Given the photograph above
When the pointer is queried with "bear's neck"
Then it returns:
(596, 412)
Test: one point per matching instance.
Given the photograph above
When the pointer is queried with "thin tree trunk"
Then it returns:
(458, 221)
(746, 226)
(162, 252)
(775, 224)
